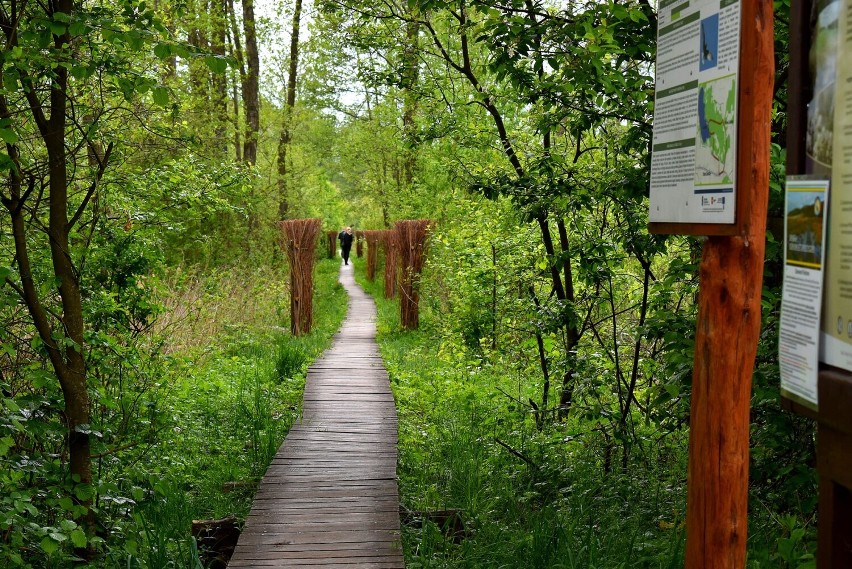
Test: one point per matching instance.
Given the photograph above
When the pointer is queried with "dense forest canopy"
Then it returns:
(149, 149)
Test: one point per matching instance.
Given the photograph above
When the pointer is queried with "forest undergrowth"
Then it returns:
(224, 385)
(509, 494)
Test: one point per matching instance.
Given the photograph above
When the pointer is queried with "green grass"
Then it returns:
(553, 509)
(228, 404)
(547, 503)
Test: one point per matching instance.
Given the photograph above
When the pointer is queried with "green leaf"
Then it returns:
(81, 71)
(5, 444)
(161, 96)
(77, 29)
(8, 135)
(49, 546)
(67, 525)
(78, 538)
(162, 50)
(57, 28)
(6, 163)
(84, 491)
(216, 64)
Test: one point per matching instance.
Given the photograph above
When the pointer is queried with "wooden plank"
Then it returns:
(330, 498)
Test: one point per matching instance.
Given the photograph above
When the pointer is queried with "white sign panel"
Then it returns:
(693, 163)
(801, 298)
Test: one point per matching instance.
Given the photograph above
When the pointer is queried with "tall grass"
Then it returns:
(528, 498)
(537, 499)
(233, 392)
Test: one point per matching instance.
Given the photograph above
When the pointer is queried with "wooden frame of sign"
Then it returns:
(799, 92)
(834, 423)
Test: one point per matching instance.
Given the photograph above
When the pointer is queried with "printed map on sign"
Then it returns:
(714, 152)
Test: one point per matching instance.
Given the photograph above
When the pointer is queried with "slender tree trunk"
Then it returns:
(237, 50)
(410, 79)
(562, 290)
(197, 37)
(77, 409)
(251, 94)
(64, 340)
(572, 330)
(290, 103)
(219, 81)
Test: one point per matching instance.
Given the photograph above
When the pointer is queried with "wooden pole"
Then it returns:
(728, 325)
(834, 461)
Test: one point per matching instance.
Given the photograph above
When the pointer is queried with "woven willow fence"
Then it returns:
(299, 240)
(411, 238)
(372, 238)
(391, 249)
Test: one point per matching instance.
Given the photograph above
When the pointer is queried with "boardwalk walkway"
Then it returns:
(329, 498)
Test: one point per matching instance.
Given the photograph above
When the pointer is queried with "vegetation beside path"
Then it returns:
(530, 495)
(205, 413)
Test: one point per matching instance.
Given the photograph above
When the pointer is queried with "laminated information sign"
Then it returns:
(693, 163)
(801, 299)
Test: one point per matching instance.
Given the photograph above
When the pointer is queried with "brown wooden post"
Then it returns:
(359, 244)
(834, 462)
(299, 239)
(389, 242)
(372, 239)
(332, 244)
(728, 325)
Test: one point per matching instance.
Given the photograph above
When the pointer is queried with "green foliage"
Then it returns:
(193, 378)
(179, 438)
(192, 209)
(527, 498)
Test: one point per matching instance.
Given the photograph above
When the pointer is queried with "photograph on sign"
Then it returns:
(694, 149)
(801, 296)
(834, 50)
(823, 57)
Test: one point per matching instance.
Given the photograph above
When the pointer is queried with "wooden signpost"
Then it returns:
(731, 275)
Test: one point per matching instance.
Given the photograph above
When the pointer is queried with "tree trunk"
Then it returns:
(219, 81)
(290, 103)
(411, 75)
(197, 37)
(64, 339)
(237, 50)
(72, 376)
(251, 95)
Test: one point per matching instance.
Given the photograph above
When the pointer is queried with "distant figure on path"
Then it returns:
(345, 237)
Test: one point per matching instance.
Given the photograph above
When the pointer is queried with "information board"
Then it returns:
(801, 300)
(829, 146)
(694, 151)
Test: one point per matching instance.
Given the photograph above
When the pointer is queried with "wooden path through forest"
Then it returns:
(329, 498)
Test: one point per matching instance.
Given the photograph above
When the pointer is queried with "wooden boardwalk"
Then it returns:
(329, 498)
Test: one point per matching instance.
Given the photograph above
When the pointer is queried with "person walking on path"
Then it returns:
(345, 238)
